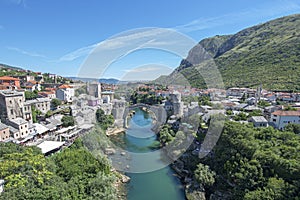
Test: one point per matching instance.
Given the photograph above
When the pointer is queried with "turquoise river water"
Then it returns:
(154, 185)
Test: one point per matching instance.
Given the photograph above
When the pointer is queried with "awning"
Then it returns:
(48, 146)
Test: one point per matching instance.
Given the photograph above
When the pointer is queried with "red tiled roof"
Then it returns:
(8, 78)
(286, 113)
(64, 86)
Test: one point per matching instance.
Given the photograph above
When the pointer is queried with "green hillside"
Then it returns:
(267, 54)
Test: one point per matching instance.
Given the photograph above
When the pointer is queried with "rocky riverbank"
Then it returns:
(114, 131)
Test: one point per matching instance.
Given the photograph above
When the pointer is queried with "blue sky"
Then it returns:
(57, 35)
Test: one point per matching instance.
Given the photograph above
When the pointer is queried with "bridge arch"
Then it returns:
(158, 112)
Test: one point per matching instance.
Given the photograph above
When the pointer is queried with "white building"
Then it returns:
(21, 125)
(41, 104)
(259, 121)
(281, 118)
(65, 93)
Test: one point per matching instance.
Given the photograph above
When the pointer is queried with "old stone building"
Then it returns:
(94, 89)
(11, 104)
(41, 104)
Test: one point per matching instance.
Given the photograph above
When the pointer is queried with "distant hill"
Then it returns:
(101, 80)
(267, 54)
(9, 67)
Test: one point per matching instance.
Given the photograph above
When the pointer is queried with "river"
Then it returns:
(160, 184)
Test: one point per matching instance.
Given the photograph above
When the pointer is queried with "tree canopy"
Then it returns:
(74, 173)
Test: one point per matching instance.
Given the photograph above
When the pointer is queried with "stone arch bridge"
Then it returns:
(158, 113)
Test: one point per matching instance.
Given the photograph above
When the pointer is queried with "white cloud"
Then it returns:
(77, 53)
(28, 53)
(119, 41)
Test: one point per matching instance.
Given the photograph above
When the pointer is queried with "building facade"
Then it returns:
(4, 132)
(11, 104)
(21, 125)
(65, 93)
(281, 118)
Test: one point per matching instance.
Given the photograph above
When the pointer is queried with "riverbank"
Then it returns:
(114, 131)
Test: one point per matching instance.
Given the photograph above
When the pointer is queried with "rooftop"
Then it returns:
(286, 113)
(9, 93)
(8, 78)
(18, 121)
(258, 119)
(64, 86)
(3, 126)
(48, 146)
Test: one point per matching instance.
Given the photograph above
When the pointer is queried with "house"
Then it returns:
(41, 104)
(12, 104)
(25, 78)
(32, 86)
(65, 93)
(21, 125)
(271, 97)
(48, 94)
(259, 121)
(240, 106)
(10, 81)
(287, 97)
(4, 132)
(281, 118)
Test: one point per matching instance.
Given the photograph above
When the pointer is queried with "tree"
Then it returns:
(165, 136)
(74, 173)
(293, 128)
(31, 95)
(55, 103)
(104, 120)
(35, 113)
(204, 175)
(68, 121)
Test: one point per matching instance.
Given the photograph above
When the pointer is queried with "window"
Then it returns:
(25, 126)
(11, 111)
(17, 135)
(21, 127)
(3, 132)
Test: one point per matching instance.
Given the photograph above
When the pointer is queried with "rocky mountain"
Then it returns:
(267, 54)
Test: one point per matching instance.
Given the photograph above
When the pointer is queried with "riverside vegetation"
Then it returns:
(246, 163)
